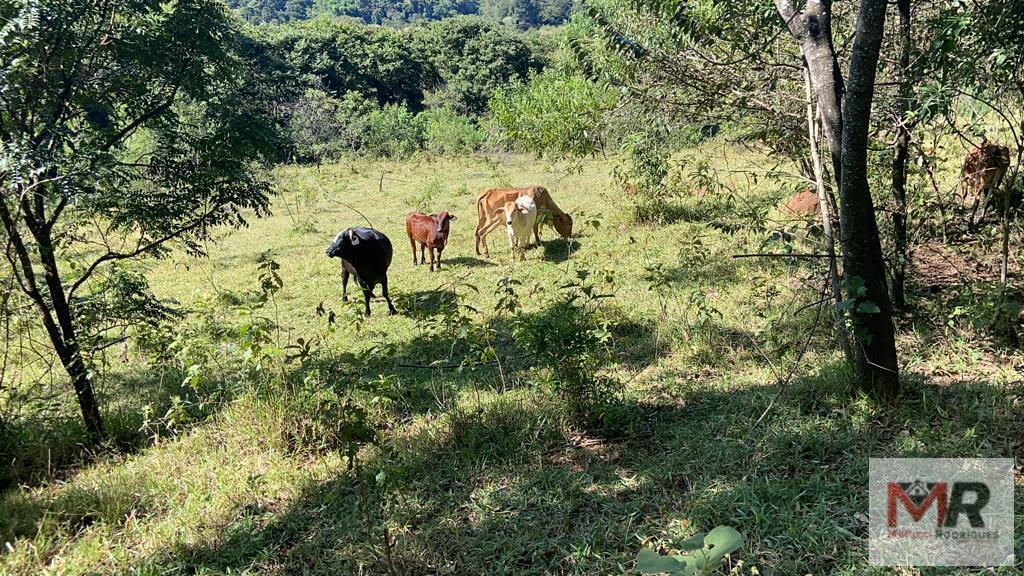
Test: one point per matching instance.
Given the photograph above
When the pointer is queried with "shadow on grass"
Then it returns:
(426, 303)
(506, 487)
(560, 249)
(988, 308)
(469, 261)
(36, 448)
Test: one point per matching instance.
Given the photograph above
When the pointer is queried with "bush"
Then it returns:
(319, 419)
(553, 114)
(572, 340)
(449, 133)
(394, 132)
(644, 176)
(313, 127)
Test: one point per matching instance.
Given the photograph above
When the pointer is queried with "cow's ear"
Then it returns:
(451, 217)
(498, 211)
(434, 216)
(352, 237)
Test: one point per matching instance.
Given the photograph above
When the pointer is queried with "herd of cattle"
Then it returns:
(366, 253)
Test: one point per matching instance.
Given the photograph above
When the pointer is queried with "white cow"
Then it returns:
(520, 216)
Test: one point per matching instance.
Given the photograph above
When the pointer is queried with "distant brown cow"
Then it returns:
(487, 203)
(983, 171)
(430, 232)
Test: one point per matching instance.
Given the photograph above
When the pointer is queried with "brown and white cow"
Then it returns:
(430, 232)
(983, 171)
(491, 201)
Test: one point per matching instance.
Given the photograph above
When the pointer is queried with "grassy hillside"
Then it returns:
(738, 411)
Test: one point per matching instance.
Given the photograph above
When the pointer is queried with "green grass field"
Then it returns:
(480, 469)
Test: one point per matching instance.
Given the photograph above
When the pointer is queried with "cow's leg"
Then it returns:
(974, 211)
(487, 229)
(536, 232)
(387, 297)
(430, 249)
(986, 199)
(367, 294)
(423, 249)
(412, 242)
(344, 284)
(439, 258)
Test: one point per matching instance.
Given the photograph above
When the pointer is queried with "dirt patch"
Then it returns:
(936, 266)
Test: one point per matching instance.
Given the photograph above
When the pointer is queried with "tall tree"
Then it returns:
(812, 27)
(876, 367)
(124, 126)
(846, 121)
(901, 153)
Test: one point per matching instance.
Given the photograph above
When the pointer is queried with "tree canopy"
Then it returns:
(518, 13)
(124, 125)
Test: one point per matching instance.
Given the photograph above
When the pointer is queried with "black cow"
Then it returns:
(365, 253)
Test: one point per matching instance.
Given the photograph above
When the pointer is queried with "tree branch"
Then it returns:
(141, 249)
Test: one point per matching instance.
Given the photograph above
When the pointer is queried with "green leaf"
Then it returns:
(721, 541)
(695, 542)
(868, 307)
(650, 562)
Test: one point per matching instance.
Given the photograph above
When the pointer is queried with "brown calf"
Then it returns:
(490, 201)
(430, 232)
(983, 171)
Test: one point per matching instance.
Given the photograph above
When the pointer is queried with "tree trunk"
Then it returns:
(825, 210)
(69, 350)
(55, 311)
(812, 27)
(899, 161)
(74, 364)
(899, 219)
(875, 366)
(1008, 187)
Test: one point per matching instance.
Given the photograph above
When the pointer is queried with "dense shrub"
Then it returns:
(342, 88)
(320, 419)
(322, 127)
(339, 57)
(449, 133)
(472, 58)
(644, 175)
(393, 132)
(553, 114)
(571, 338)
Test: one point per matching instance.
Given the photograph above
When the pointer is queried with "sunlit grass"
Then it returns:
(484, 472)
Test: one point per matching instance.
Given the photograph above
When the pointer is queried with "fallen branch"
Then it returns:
(776, 255)
(454, 366)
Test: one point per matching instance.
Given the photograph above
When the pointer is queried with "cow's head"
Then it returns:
(442, 219)
(562, 224)
(509, 209)
(343, 242)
